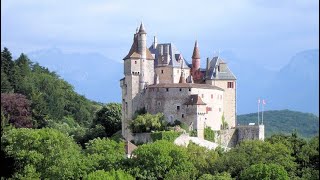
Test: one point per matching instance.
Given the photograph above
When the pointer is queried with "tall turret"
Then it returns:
(195, 61)
(142, 50)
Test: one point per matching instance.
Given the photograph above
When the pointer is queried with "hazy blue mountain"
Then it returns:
(296, 86)
(252, 81)
(92, 74)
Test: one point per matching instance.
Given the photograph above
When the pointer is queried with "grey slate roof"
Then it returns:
(213, 71)
(174, 56)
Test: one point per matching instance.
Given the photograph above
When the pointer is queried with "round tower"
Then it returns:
(142, 50)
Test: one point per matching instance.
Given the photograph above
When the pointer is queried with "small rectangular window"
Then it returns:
(189, 89)
(230, 85)
(178, 108)
(211, 96)
(180, 89)
(167, 89)
(161, 71)
(135, 62)
(182, 115)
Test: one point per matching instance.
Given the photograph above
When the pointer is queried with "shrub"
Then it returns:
(209, 134)
(165, 135)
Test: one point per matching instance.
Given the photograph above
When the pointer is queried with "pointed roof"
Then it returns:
(141, 29)
(196, 52)
(134, 53)
(195, 99)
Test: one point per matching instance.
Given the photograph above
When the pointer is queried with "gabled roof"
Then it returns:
(134, 53)
(194, 100)
(213, 71)
(176, 57)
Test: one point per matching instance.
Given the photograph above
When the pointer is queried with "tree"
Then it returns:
(252, 152)
(264, 171)
(147, 123)
(104, 153)
(161, 159)
(6, 62)
(44, 153)
(110, 118)
(16, 108)
(5, 84)
(110, 175)
(218, 176)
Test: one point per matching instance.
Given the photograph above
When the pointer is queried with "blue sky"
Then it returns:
(268, 33)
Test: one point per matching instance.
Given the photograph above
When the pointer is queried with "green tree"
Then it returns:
(218, 176)
(147, 123)
(252, 152)
(6, 62)
(44, 153)
(264, 172)
(5, 84)
(161, 159)
(104, 153)
(201, 157)
(109, 117)
(109, 175)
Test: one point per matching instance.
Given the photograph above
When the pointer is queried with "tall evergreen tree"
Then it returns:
(6, 61)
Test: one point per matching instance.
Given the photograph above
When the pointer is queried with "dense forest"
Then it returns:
(48, 131)
(285, 121)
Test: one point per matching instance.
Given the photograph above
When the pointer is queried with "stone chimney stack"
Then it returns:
(155, 42)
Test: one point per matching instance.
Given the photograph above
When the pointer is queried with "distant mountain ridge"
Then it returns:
(295, 86)
(92, 74)
(284, 121)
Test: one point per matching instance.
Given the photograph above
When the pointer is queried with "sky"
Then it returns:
(267, 32)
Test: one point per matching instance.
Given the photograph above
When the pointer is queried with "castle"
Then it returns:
(160, 79)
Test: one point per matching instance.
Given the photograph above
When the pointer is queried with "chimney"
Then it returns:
(155, 42)
(207, 68)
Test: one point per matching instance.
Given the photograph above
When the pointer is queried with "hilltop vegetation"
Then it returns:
(284, 121)
(48, 131)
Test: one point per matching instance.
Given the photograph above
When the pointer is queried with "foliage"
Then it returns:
(285, 121)
(109, 175)
(218, 176)
(109, 117)
(16, 109)
(264, 171)
(193, 133)
(44, 153)
(139, 112)
(201, 157)
(252, 152)
(147, 123)
(209, 134)
(51, 97)
(224, 123)
(159, 160)
(165, 135)
(104, 153)
(91, 133)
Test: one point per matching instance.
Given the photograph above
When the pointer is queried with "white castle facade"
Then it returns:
(160, 79)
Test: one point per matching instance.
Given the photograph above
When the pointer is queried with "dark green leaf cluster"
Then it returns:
(165, 135)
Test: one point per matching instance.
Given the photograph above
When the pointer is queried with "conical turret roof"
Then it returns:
(196, 52)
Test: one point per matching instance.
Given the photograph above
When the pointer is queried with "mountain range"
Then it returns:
(295, 86)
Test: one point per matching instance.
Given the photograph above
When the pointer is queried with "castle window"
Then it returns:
(135, 62)
(167, 89)
(230, 85)
(218, 68)
(182, 115)
(211, 96)
(159, 103)
(161, 71)
(189, 89)
(178, 108)
(180, 89)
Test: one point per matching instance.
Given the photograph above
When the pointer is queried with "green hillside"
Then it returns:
(284, 121)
